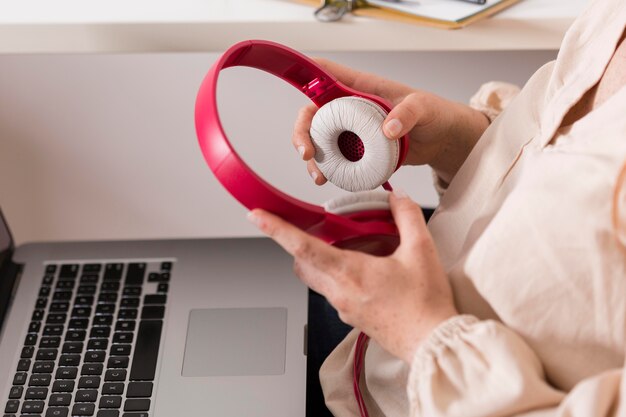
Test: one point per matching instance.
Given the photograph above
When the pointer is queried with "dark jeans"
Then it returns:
(325, 333)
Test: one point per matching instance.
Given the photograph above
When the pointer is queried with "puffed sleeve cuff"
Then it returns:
(468, 367)
(493, 97)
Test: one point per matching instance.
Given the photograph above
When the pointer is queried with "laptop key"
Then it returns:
(86, 396)
(153, 312)
(130, 302)
(122, 337)
(115, 375)
(30, 407)
(89, 279)
(50, 342)
(147, 348)
(16, 393)
(118, 362)
(60, 399)
(39, 380)
(66, 372)
(120, 350)
(163, 287)
(36, 393)
(97, 344)
(27, 352)
(81, 312)
(125, 325)
(95, 356)
(34, 327)
(20, 378)
(68, 271)
(46, 354)
(37, 315)
(48, 279)
(51, 269)
(109, 413)
(12, 406)
(131, 291)
(137, 405)
(63, 386)
(103, 320)
(166, 266)
(75, 335)
(127, 313)
(113, 272)
(113, 388)
(139, 389)
(105, 309)
(65, 285)
(31, 340)
(58, 412)
(100, 332)
(91, 369)
(84, 300)
(43, 367)
(81, 409)
(155, 299)
(56, 318)
(89, 382)
(86, 289)
(69, 360)
(72, 347)
(59, 307)
(53, 330)
(110, 401)
(110, 286)
(135, 274)
(23, 365)
(62, 295)
(135, 415)
(41, 303)
(92, 268)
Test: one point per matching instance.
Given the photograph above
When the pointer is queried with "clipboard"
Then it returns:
(386, 11)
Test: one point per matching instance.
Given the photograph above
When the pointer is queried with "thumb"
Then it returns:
(410, 221)
(412, 111)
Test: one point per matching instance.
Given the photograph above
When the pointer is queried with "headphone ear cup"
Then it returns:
(359, 201)
(351, 149)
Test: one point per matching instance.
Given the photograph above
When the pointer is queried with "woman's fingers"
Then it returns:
(410, 221)
(315, 173)
(301, 138)
(299, 244)
(413, 110)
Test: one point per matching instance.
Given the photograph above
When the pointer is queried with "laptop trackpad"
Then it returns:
(236, 342)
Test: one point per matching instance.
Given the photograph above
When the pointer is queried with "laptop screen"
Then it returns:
(6, 242)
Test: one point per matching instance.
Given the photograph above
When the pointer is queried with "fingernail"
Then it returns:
(254, 219)
(399, 193)
(393, 127)
(301, 150)
(314, 176)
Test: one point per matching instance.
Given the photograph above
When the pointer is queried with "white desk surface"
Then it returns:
(89, 26)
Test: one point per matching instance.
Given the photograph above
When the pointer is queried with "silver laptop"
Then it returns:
(172, 328)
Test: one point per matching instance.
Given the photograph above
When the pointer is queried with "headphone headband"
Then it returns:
(239, 179)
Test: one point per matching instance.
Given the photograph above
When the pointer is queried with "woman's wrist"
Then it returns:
(466, 127)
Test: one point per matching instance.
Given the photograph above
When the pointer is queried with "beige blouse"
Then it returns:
(525, 233)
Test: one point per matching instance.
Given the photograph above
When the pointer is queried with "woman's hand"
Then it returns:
(396, 300)
(442, 133)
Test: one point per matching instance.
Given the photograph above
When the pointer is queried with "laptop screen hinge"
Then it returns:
(9, 278)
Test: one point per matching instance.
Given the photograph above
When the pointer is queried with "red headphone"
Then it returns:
(369, 230)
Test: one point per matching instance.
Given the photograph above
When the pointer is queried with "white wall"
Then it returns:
(104, 147)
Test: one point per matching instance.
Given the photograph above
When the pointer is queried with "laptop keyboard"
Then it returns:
(93, 341)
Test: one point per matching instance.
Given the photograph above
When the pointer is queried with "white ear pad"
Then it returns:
(360, 201)
(376, 158)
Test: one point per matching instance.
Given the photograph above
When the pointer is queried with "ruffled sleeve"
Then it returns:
(474, 368)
